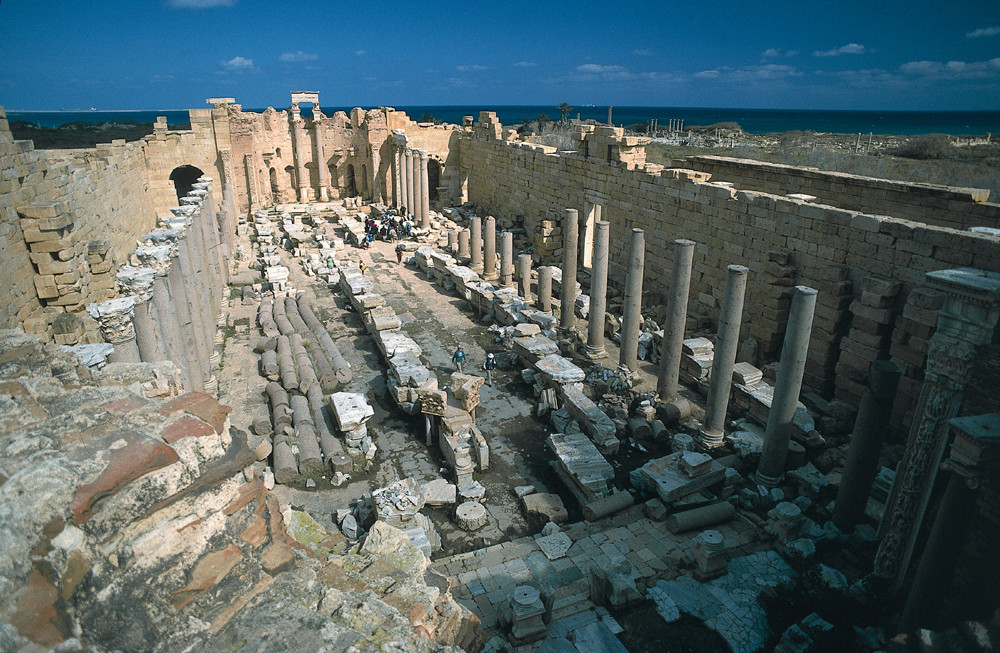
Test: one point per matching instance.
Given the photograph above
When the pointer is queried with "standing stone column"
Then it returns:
(545, 289)
(632, 310)
(453, 242)
(524, 277)
(966, 321)
(321, 168)
(190, 283)
(298, 152)
(787, 387)
(870, 428)
(571, 229)
(598, 292)
(408, 156)
(506, 259)
(401, 175)
(425, 193)
(490, 247)
(463, 244)
(673, 328)
(114, 317)
(418, 216)
(476, 235)
(713, 429)
(138, 282)
(179, 305)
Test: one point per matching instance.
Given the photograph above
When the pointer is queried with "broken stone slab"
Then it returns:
(594, 422)
(558, 370)
(472, 491)
(545, 321)
(533, 348)
(351, 410)
(382, 318)
(526, 330)
(410, 372)
(391, 342)
(668, 479)
(554, 546)
(590, 474)
(549, 506)
(440, 492)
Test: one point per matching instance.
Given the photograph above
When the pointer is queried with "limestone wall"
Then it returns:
(69, 219)
(168, 150)
(944, 206)
(869, 269)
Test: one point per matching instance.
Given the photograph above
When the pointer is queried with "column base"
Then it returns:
(767, 481)
(304, 195)
(710, 439)
(594, 353)
(324, 195)
(490, 277)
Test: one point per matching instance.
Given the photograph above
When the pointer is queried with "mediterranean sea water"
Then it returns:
(755, 121)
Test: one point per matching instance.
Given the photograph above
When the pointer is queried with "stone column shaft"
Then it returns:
(870, 429)
(321, 169)
(190, 284)
(673, 328)
(524, 277)
(632, 310)
(545, 289)
(401, 176)
(299, 154)
(598, 292)
(408, 156)
(180, 305)
(453, 242)
(166, 320)
(787, 387)
(727, 339)
(476, 242)
(463, 244)
(571, 229)
(490, 249)
(506, 259)
(425, 193)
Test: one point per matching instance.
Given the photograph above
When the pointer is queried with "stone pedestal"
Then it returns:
(966, 321)
(527, 610)
(471, 515)
(506, 259)
(712, 430)
(710, 555)
(571, 229)
(598, 293)
(476, 243)
(545, 289)
(490, 249)
(787, 387)
(870, 428)
(673, 326)
(632, 310)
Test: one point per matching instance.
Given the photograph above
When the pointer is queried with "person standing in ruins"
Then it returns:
(489, 365)
(399, 254)
(361, 266)
(459, 359)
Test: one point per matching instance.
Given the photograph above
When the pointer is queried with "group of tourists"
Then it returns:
(391, 226)
(489, 364)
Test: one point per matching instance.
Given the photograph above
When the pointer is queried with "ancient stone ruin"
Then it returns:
(355, 382)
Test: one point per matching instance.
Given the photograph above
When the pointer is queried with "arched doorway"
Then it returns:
(350, 189)
(184, 178)
(364, 179)
(290, 171)
(433, 179)
(273, 177)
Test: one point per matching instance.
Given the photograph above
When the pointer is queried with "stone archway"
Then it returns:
(273, 178)
(350, 188)
(184, 178)
(290, 172)
(364, 179)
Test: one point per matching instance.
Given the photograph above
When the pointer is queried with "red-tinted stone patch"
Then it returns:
(277, 557)
(206, 574)
(256, 532)
(212, 412)
(123, 407)
(36, 616)
(138, 457)
(183, 402)
(185, 427)
(248, 492)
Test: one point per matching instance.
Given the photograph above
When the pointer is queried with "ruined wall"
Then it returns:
(69, 218)
(959, 208)
(168, 150)
(869, 269)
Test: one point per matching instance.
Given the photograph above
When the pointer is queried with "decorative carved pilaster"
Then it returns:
(966, 321)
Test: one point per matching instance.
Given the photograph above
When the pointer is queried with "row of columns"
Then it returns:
(410, 183)
(301, 147)
(175, 298)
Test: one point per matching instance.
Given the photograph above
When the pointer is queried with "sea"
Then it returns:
(754, 121)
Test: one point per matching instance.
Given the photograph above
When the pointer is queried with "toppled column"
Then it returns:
(506, 259)
(114, 317)
(148, 337)
(787, 387)
(571, 227)
(673, 327)
(967, 320)
(632, 315)
(490, 247)
(476, 237)
(545, 289)
(425, 202)
(524, 277)
(463, 244)
(870, 429)
(713, 429)
(598, 293)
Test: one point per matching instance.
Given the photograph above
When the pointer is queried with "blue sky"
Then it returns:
(172, 54)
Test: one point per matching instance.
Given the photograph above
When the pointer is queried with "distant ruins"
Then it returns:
(849, 323)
